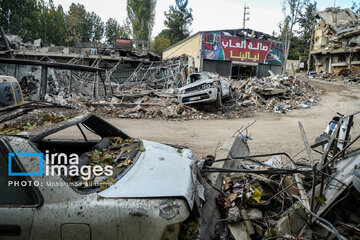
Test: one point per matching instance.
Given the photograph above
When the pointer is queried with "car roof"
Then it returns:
(4, 78)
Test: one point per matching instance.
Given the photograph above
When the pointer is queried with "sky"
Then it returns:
(265, 15)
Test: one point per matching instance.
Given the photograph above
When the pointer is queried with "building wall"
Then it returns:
(296, 64)
(320, 41)
(191, 47)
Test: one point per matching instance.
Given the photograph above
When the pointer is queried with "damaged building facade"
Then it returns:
(335, 42)
(238, 53)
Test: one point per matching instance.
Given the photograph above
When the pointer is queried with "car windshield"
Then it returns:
(197, 76)
(6, 95)
(96, 144)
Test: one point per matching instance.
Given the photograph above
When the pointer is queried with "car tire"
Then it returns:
(218, 99)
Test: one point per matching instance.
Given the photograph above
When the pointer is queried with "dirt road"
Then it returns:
(272, 132)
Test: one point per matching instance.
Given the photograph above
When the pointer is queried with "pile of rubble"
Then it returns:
(277, 93)
(284, 198)
(345, 76)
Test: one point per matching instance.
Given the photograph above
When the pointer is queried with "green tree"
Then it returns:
(114, 30)
(60, 27)
(177, 21)
(300, 39)
(141, 15)
(160, 43)
(20, 17)
(77, 29)
(306, 24)
(97, 27)
(52, 28)
(291, 9)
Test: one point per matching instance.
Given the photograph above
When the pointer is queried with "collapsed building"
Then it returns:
(335, 42)
(86, 70)
(236, 53)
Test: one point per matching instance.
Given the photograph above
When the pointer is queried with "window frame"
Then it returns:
(38, 198)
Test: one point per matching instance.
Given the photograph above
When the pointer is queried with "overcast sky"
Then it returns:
(265, 15)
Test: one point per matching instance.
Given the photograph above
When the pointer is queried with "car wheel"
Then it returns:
(219, 99)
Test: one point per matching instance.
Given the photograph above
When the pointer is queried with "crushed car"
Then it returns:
(307, 196)
(153, 190)
(10, 92)
(204, 87)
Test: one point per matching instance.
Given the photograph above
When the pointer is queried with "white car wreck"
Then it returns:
(151, 192)
(204, 87)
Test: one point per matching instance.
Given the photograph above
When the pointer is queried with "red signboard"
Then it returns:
(220, 47)
(238, 49)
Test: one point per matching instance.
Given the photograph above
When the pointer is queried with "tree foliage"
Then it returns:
(77, 29)
(114, 30)
(20, 17)
(141, 16)
(96, 27)
(33, 19)
(52, 27)
(160, 43)
(300, 13)
(356, 7)
(178, 21)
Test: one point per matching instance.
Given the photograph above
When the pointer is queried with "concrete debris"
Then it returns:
(335, 42)
(283, 198)
(280, 94)
(344, 77)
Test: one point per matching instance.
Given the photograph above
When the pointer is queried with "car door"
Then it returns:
(18, 198)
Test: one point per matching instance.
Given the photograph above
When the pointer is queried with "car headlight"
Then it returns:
(207, 86)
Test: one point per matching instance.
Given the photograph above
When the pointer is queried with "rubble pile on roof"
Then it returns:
(274, 196)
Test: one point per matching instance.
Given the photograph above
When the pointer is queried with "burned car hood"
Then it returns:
(160, 171)
(197, 83)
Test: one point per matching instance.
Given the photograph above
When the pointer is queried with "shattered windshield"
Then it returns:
(90, 153)
(114, 155)
(6, 95)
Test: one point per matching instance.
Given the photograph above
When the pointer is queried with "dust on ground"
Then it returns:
(272, 132)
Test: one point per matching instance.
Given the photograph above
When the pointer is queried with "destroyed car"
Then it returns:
(204, 87)
(149, 194)
(10, 92)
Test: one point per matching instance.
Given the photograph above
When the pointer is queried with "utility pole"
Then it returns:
(246, 12)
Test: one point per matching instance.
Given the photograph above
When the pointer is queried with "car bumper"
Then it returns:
(207, 95)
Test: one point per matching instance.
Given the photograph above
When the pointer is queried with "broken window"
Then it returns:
(6, 95)
(342, 58)
(96, 143)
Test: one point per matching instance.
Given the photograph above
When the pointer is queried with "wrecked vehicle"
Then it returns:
(150, 193)
(287, 198)
(10, 92)
(204, 87)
